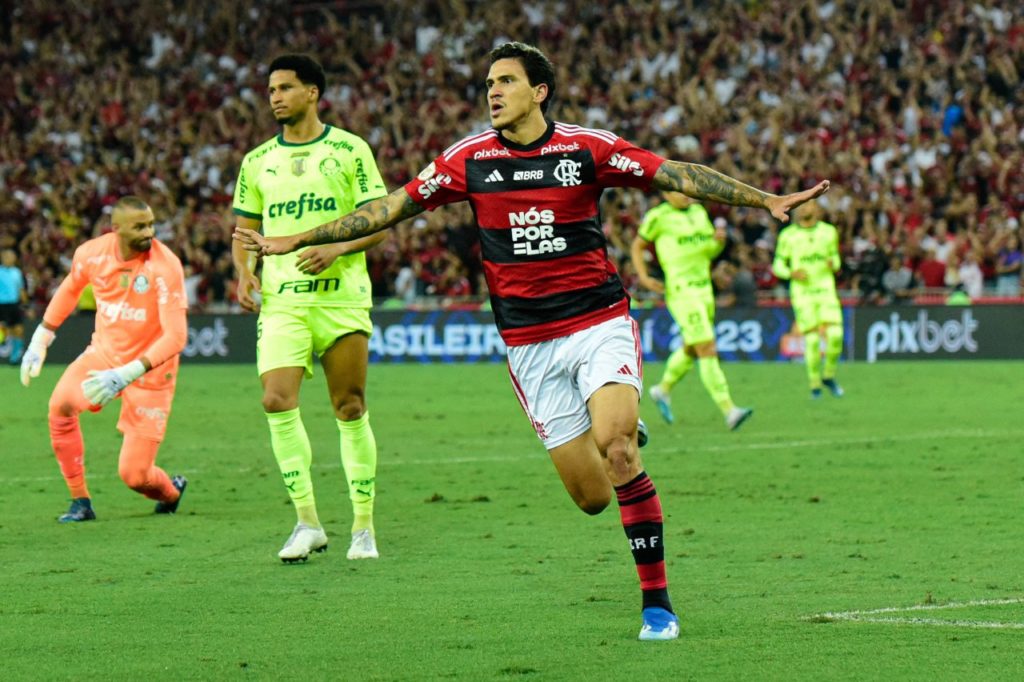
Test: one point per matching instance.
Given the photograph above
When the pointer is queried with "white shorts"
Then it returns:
(554, 379)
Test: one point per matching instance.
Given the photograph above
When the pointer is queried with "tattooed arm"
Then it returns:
(371, 217)
(701, 182)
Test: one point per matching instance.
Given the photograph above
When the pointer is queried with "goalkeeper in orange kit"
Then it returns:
(140, 330)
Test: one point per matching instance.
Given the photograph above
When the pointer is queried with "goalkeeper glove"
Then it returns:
(103, 385)
(35, 354)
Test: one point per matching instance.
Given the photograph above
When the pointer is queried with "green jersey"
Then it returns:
(815, 250)
(292, 188)
(685, 243)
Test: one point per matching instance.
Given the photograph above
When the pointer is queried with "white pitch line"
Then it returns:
(871, 615)
(539, 454)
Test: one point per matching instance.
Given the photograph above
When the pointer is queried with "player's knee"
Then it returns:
(621, 456)
(276, 401)
(350, 406)
(62, 408)
(133, 477)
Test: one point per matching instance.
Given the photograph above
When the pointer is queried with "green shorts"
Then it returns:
(695, 315)
(813, 312)
(288, 337)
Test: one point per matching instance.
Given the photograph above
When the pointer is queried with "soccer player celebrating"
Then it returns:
(309, 174)
(807, 254)
(686, 242)
(141, 328)
(573, 349)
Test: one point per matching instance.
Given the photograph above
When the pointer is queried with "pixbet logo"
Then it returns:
(207, 342)
(491, 154)
(922, 335)
(538, 235)
(559, 147)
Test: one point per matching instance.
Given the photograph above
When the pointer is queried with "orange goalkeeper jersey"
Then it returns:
(140, 302)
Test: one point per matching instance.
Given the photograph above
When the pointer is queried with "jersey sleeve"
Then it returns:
(65, 299)
(442, 182)
(833, 253)
(781, 265)
(367, 183)
(702, 220)
(623, 164)
(248, 201)
(648, 230)
(170, 291)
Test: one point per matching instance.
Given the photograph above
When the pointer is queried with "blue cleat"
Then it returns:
(664, 402)
(80, 510)
(815, 394)
(641, 433)
(659, 625)
(178, 482)
(836, 390)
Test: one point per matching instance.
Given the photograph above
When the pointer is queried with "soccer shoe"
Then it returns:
(80, 510)
(834, 388)
(363, 546)
(179, 482)
(659, 625)
(641, 433)
(303, 540)
(815, 394)
(664, 402)
(737, 416)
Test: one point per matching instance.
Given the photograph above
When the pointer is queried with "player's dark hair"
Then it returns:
(130, 202)
(307, 70)
(537, 66)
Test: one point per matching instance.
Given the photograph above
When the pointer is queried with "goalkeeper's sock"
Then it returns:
(68, 446)
(812, 358)
(677, 366)
(359, 459)
(713, 378)
(294, 456)
(640, 510)
(833, 350)
(138, 471)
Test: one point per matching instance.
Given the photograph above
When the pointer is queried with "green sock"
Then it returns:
(294, 456)
(678, 364)
(812, 358)
(359, 459)
(713, 377)
(833, 349)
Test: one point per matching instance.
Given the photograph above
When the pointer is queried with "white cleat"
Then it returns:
(737, 416)
(664, 402)
(303, 540)
(363, 546)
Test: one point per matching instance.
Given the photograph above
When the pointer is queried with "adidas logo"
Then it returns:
(495, 176)
(625, 370)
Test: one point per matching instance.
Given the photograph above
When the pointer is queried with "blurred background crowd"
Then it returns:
(912, 108)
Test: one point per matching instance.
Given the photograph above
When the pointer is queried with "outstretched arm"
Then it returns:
(703, 183)
(372, 217)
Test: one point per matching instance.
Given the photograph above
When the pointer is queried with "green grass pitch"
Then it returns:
(796, 547)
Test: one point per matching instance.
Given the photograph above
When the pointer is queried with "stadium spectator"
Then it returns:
(12, 299)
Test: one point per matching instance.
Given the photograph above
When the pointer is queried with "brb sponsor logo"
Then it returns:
(626, 164)
(520, 176)
(537, 234)
(922, 335)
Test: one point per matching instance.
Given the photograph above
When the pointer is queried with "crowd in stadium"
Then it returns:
(912, 108)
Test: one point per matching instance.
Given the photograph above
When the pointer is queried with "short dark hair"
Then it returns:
(130, 201)
(307, 69)
(537, 66)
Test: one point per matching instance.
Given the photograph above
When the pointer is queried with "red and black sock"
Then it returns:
(640, 509)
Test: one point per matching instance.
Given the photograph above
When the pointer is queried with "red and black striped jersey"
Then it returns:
(544, 251)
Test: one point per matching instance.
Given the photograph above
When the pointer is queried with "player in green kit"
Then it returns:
(686, 242)
(807, 254)
(318, 303)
